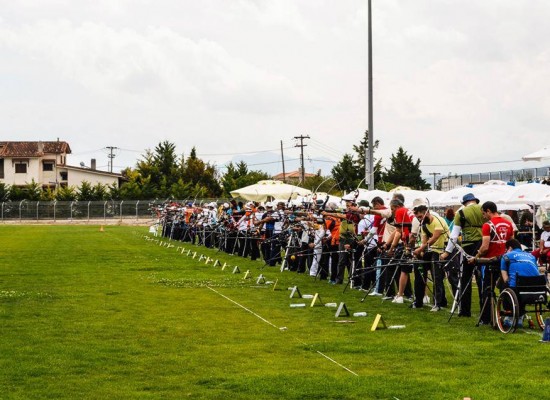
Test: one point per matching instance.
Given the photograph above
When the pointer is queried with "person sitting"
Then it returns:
(541, 254)
(514, 263)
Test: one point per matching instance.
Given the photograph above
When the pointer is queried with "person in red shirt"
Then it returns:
(496, 232)
(402, 220)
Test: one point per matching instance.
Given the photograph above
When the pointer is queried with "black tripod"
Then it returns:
(492, 266)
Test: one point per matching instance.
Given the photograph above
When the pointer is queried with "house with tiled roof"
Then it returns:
(46, 164)
(292, 176)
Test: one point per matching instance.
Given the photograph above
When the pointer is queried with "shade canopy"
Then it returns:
(268, 190)
(538, 155)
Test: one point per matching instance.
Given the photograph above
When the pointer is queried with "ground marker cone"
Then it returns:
(316, 298)
(294, 291)
(377, 322)
(342, 310)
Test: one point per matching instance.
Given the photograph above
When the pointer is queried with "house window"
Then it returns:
(1, 168)
(63, 175)
(21, 168)
(47, 166)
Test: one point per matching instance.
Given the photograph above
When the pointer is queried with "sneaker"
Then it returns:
(387, 298)
(397, 300)
(426, 300)
(435, 309)
(520, 321)
(375, 293)
(507, 323)
(413, 305)
(331, 282)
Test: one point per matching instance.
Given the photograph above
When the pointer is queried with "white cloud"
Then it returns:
(156, 61)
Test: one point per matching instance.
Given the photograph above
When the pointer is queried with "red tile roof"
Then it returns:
(292, 175)
(33, 149)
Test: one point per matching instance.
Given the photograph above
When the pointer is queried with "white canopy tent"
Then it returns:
(269, 190)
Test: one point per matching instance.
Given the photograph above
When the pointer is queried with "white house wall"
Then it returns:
(75, 177)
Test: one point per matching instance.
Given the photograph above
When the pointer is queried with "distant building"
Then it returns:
(45, 163)
(293, 176)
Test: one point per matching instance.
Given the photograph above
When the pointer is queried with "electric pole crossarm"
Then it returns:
(301, 146)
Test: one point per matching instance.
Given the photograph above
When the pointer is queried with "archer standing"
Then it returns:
(496, 232)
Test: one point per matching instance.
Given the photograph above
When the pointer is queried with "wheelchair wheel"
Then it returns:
(541, 313)
(507, 311)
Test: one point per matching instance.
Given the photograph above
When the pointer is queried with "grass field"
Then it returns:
(110, 315)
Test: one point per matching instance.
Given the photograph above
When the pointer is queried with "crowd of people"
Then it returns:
(377, 247)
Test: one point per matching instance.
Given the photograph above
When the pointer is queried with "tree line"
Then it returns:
(163, 174)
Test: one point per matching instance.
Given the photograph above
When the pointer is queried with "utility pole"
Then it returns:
(111, 156)
(434, 174)
(369, 151)
(283, 159)
(301, 146)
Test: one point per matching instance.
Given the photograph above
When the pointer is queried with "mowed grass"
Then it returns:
(90, 314)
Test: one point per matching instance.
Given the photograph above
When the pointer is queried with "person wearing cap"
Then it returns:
(434, 232)
(466, 223)
(495, 233)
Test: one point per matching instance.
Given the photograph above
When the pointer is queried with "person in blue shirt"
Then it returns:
(517, 262)
(514, 263)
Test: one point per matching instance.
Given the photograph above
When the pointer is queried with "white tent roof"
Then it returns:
(538, 155)
(268, 189)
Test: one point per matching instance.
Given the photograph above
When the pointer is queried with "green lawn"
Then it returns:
(110, 315)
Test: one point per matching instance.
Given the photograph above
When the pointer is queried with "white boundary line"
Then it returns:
(279, 329)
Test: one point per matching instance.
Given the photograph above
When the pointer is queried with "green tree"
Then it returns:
(65, 193)
(99, 192)
(17, 193)
(360, 157)
(405, 172)
(85, 191)
(238, 176)
(32, 191)
(200, 173)
(347, 174)
(4, 192)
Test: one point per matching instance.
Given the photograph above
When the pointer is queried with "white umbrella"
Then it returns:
(538, 155)
(371, 194)
(264, 190)
(530, 193)
(483, 193)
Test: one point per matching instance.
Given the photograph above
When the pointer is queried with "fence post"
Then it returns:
(20, 205)
(72, 210)
(137, 217)
(89, 211)
(2, 211)
(37, 203)
(105, 212)
(122, 201)
(54, 209)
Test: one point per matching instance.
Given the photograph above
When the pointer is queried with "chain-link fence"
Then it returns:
(98, 211)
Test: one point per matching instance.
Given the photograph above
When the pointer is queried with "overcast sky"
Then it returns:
(455, 81)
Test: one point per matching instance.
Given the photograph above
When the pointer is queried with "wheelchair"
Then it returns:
(530, 295)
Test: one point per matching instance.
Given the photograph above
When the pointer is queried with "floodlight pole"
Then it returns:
(369, 151)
